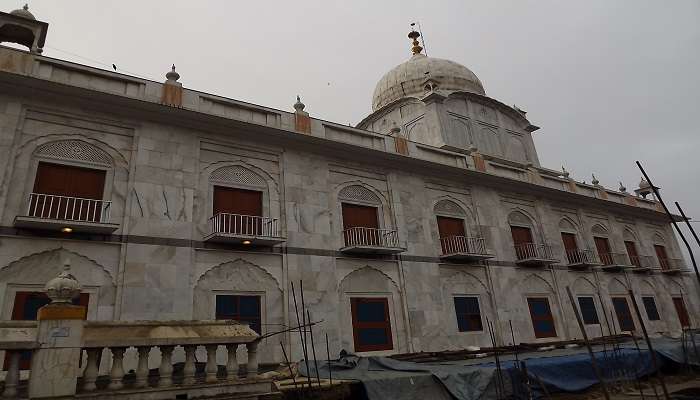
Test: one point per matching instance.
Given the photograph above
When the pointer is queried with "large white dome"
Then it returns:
(407, 79)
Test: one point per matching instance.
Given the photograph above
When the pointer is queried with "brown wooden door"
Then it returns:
(632, 253)
(570, 246)
(239, 209)
(681, 311)
(624, 316)
(662, 256)
(603, 248)
(371, 324)
(72, 182)
(356, 216)
(521, 238)
(452, 234)
(26, 307)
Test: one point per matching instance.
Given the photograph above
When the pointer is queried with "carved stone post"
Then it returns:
(142, 367)
(116, 374)
(12, 377)
(166, 366)
(189, 370)
(232, 362)
(91, 369)
(252, 366)
(59, 336)
(211, 367)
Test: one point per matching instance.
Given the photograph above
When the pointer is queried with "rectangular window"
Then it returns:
(681, 311)
(240, 210)
(588, 311)
(662, 256)
(26, 307)
(371, 325)
(603, 247)
(451, 231)
(468, 314)
(356, 216)
(650, 307)
(624, 317)
(541, 314)
(64, 191)
(244, 308)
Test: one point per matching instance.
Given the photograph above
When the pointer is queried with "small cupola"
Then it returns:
(21, 27)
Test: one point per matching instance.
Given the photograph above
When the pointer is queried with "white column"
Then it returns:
(166, 366)
(211, 368)
(189, 370)
(12, 377)
(252, 366)
(116, 374)
(232, 362)
(91, 369)
(142, 368)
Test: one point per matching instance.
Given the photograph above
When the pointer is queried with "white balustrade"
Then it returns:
(12, 377)
(462, 244)
(371, 237)
(581, 256)
(50, 206)
(613, 259)
(244, 225)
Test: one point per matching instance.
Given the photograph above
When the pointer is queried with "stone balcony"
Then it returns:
(672, 266)
(580, 259)
(613, 262)
(68, 214)
(360, 240)
(640, 264)
(534, 255)
(244, 229)
(462, 249)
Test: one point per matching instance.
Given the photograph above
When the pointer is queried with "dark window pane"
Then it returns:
(225, 306)
(373, 336)
(467, 305)
(370, 311)
(588, 311)
(249, 306)
(475, 323)
(468, 314)
(650, 307)
(539, 307)
(624, 318)
(33, 304)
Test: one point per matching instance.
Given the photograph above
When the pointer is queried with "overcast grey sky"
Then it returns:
(609, 82)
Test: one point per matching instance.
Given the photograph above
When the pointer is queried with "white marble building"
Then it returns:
(428, 218)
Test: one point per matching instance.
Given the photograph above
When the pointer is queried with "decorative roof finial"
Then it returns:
(594, 181)
(416, 49)
(564, 172)
(26, 7)
(299, 106)
(63, 288)
(622, 188)
(172, 75)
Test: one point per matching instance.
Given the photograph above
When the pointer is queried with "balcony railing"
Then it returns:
(373, 240)
(640, 263)
(66, 208)
(244, 225)
(613, 261)
(535, 254)
(581, 258)
(671, 265)
(462, 247)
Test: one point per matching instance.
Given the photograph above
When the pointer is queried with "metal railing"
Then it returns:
(372, 237)
(613, 259)
(462, 244)
(670, 263)
(51, 206)
(532, 250)
(244, 225)
(581, 256)
(641, 261)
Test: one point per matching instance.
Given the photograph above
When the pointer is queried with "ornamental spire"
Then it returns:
(416, 49)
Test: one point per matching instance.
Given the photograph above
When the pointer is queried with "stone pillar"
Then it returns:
(55, 362)
(302, 121)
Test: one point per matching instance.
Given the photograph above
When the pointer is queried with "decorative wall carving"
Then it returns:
(238, 175)
(359, 193)
(74, 150)
(448, 207)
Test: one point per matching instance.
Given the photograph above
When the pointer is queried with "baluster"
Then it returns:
(91, 369)
(166, 367)
(211, 367)
(12, 377)
(190, 369)
(142, 367)
(252, 366)
(232, 362)
(116, 374)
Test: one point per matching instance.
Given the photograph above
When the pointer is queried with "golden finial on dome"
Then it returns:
(416, 49)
